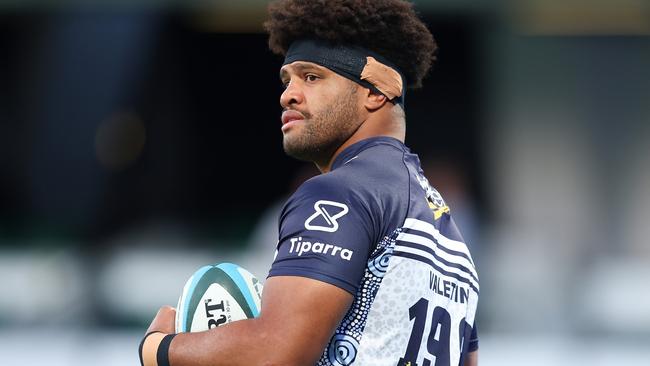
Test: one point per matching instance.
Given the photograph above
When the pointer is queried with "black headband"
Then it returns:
(345, 60)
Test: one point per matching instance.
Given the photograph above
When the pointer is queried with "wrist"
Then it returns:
(154, 349)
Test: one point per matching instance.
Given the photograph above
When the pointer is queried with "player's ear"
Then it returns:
(374, 100)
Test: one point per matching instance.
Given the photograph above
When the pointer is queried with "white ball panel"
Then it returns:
(217, 307)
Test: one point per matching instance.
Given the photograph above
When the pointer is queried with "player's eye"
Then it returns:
(311, 77)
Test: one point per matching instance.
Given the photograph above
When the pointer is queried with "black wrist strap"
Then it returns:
(162, 356)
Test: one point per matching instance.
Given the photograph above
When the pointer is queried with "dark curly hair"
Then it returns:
(390, 28)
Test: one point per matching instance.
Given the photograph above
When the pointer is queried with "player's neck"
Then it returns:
(384, 122)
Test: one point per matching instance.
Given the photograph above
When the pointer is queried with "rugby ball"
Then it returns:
(216, 295)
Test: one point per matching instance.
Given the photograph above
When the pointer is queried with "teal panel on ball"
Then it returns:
(232, 271)
(219, 276)
(190, 291)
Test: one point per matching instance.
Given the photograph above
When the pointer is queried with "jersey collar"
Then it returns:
(355, 149)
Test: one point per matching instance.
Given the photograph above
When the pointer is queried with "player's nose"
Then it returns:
(291, 95)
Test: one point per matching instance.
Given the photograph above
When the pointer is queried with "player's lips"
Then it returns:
(290, 117)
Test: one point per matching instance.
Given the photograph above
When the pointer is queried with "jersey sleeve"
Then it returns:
(326, 232)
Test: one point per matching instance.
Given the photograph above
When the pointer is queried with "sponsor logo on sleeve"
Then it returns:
(324, 219)
(301, 247)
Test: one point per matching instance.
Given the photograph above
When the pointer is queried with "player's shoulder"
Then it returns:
(372, 163)
(369, 181)
(370, 173)
(374, 157)
(369, 169)
(329, 186)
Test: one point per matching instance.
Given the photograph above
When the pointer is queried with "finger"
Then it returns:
(163, 321)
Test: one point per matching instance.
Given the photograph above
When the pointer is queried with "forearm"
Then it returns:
(471, 359)
(246, 342)
(298, 317)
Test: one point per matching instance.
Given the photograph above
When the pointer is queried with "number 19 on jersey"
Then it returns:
(438, 335)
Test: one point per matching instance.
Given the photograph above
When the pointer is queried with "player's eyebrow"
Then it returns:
(300, 67)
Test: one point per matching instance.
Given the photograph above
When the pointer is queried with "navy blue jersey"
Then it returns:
(374, 227)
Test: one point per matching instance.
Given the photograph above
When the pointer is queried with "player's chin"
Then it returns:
(290, 147)
(292, 141)
(297, 148)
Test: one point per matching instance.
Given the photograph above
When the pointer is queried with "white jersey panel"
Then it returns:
(405, 304)
(388, 327)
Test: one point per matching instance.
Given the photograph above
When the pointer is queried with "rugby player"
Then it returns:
(370, 268)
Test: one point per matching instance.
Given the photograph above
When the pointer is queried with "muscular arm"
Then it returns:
(297, 319)
(471, 359)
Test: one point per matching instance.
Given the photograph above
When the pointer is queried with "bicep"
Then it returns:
(305, 311)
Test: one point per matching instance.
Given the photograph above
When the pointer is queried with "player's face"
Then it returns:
(321, 111)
